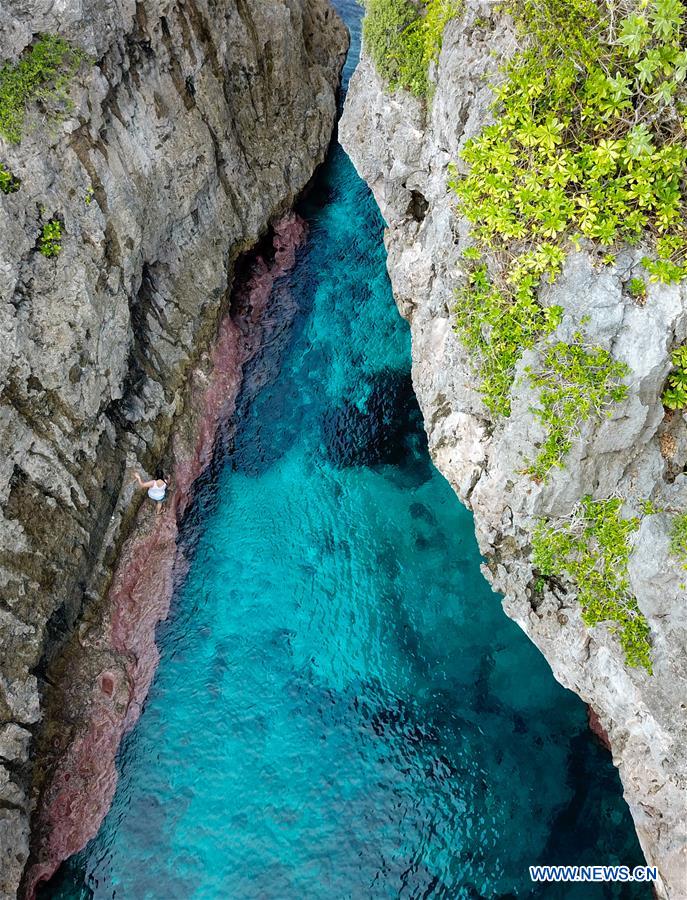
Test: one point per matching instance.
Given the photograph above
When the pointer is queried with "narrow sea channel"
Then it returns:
(342, 710)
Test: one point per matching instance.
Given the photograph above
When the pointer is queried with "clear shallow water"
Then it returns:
(342, 709)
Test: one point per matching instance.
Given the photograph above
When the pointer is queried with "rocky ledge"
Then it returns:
(403, 150)
(190, 128)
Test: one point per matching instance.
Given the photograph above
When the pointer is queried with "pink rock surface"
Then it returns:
(597, 728)
(80, 787)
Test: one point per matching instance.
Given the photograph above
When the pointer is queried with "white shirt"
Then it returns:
(157, 491)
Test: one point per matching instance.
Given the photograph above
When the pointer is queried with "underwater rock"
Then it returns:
(375, 431)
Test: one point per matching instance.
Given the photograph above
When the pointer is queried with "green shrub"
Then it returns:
(438, 13)
(403, 39)
(588, 142)
(41, 74)
(499, 325)
(649, 508)
(637, 288)
(675, 394)
(577, 382)
(678, 538)
(49, 242)
(9, 183)
(592, 548)
(590, 134)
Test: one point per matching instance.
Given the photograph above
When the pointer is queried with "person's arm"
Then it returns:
(143, 484)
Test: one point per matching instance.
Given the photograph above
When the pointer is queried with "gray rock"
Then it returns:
(656, 576)
(14, 848)
(193, 127)
(399, 148)
(14, 742)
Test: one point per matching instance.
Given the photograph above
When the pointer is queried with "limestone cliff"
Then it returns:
(191, 126)
(403, 148)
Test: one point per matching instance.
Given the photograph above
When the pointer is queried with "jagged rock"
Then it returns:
(402, 149)
(193, 126)
(14, 742)
(656, 576)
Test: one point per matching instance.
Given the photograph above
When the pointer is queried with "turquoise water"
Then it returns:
(342, 709)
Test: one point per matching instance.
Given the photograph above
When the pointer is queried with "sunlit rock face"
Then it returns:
(192, 127)
(403, 150)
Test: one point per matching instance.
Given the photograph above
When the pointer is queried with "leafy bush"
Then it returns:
(49, 243)
(577, 382)
(592, 549)
(500, 325)
(9, 183)
(590, 133)
(403, 38)
(588, 142)
(42, 74)
(675, 394)
(438, 13)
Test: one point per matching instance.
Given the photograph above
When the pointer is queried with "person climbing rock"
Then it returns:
(157, 489)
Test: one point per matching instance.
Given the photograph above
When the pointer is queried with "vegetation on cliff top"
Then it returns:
(41, 75)
(404, 37)
(589, 142)
(590, 136)
(592, 548)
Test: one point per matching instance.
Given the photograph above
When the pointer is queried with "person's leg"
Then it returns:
(158, 511)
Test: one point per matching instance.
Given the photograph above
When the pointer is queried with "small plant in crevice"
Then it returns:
(637, 289)
(50, 240)
(675, 394)
(678, 538)
(41, 75)
(9, 183)
(608, 259)
(649, 508)
(576, 381)
(403, 38)
(592, 548)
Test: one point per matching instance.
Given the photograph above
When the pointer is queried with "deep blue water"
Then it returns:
(342, 709)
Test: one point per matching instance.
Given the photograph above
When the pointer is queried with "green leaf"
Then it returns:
(666, 17)
(634, 33)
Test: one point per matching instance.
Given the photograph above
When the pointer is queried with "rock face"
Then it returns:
(193, 126)
(403, 151)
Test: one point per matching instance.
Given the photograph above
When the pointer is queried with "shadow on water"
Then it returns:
(342, 709)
